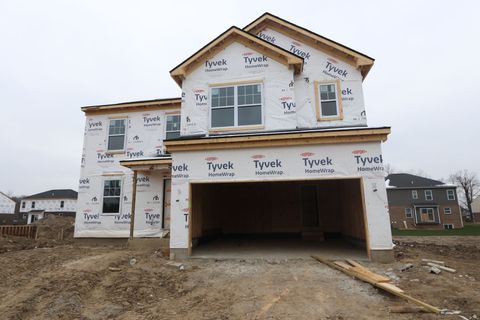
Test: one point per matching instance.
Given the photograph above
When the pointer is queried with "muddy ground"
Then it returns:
(66, 281)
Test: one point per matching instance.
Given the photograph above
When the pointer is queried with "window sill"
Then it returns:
(116, 151)
(244, 128)
(330, 119)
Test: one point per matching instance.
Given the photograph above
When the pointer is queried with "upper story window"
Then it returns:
(236, 106)
(111, 196)
(116, 134)
(428, 195)
(447, 210)
(23, 204)
(329, 100)
(414, 194)
(62, 204)
(451, 194)
(33, 204)
(172, 127)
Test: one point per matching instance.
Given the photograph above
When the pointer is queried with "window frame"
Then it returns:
(32, 206)
(452, 193)
(414, 194)
(448, 224)
(119, 196)
(318, 102)
(235, 106)
(445, 210)
(166, 120)
(433, 214)
(62, 204)
(124, 135)
(24, 204)
(410, 214)
(431, 195)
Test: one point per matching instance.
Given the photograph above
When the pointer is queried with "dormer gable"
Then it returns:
(356, 59)
(230, 36)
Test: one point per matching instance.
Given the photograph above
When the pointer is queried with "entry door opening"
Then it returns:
(295, 215)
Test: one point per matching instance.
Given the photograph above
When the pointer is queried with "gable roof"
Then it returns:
(405, 180)
(231, 35)
(359, 60)
(4, 195)
(55, 194)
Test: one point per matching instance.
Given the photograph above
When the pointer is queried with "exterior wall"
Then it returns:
(319, 66)
(49, 205)
(286, 163)
(238, 65)
(144, 138)
(400, 199)
(7, 205)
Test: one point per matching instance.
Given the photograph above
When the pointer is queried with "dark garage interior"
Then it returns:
(291, 218)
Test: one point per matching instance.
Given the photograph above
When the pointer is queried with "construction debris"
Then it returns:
(406, 267)
(114, 269)
(441, 267)
(425, 261)
(358, 271)
(435, 270)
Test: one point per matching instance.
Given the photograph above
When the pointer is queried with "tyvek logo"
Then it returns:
(367, 163)
(267, 167)
(253, 60)
(156, 198)
(136, 139)
(104, 157)
(94, 199)
(333, 71)
(186, 211)
(84, 183)
(94, 125)
(288, 105)
(123, 218)
(200, 97)
(90, 218)
(180, 171)
(295, 48)
(323, 165)
(125, 199)
(135, 154)
(216, 65)
(266, 37)
(143, 181)
(151, 120)
(151, 217)
(219, 169)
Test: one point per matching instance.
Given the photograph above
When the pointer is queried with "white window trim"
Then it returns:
(409, 214)
(431, 195)
(124, 138)
(414, 194)
(453, 194)
(448, 224)
(445, 210)
(318, 101)
(121, 195)
(235, 106)
(166, 118)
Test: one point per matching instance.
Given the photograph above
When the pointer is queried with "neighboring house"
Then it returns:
(62, 202)
(421, 203)
(475, 210)
(269, 137)
(7, 209)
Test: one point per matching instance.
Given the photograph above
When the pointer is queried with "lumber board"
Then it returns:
(431, 264)
(388, 287)
(354, 263)
(375, 277)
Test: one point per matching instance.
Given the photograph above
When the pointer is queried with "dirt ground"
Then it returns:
(67, 281)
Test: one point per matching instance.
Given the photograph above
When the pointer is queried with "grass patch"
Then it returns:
(467, 230)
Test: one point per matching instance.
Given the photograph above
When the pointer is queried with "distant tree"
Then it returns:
(389, 169)
(469, 187)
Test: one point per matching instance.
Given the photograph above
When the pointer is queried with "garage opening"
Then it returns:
(278, 219)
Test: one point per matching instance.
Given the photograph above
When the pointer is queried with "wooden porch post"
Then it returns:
(134, 197)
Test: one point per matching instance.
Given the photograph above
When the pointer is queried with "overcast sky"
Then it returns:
(56, 56)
